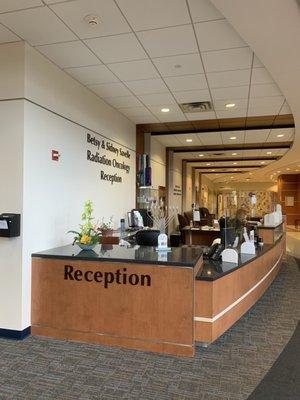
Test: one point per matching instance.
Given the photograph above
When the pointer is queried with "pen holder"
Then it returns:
(247, 248)
(230, 255)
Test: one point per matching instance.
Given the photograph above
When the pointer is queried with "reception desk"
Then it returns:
(138, 298)
(130, 297)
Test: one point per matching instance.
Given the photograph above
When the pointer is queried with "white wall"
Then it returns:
(51, 194)
(11, 160)
(158, 163)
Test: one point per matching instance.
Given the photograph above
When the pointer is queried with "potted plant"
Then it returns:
(88, 236)
(106, 227)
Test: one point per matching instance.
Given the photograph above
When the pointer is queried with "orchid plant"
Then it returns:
(88, 233)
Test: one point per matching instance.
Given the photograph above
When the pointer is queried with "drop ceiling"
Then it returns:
(144, 55)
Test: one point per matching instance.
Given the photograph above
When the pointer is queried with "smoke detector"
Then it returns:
(197, 106)
(92, 20)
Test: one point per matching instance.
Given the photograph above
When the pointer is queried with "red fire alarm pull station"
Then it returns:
(55, 155)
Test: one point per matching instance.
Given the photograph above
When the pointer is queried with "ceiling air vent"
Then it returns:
(198, 106)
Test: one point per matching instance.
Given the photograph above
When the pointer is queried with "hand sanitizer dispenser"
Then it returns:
(10, 225)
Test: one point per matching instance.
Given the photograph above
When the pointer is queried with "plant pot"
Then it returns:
(86, 246)
(107, 232)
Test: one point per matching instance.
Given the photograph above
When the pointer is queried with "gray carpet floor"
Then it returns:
(229, 369)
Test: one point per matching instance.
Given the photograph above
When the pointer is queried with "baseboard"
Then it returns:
(16, 335)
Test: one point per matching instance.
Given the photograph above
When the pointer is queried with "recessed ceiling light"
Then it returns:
(213, 170)
(280, 135)
(92, 20)
(188, 140)
(165, 110)
(232, 137)
(235, 169)
(288, 169)
(231, 177)
(235, 163)
(230, 105)
(262, 162)
(269, 152)
(201, 155)
(234, 154)
(207, 163)
(278, 172)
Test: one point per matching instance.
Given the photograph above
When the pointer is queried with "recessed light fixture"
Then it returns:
(213, 170)
(231, 177)
(92, 20)
(189, 140)
(230, 105)
(288, 169)
(201, 155)
(232, 137)
(165, 110)
(207, 163)
(269, 152)
(278, 172)
(280, 135)
(262, 162)
(234, 154)
(235, 163)
(235, 169)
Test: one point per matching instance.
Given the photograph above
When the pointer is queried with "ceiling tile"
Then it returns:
(147, 86)
(273, 101)
(13, 5)
(200, 116)
(92, 75)
(171, 117)
(7, 36)
(285, 109)
(179, 65)
(223, 60)
(149, 119)
(145, 14)
(261, 75)
(240, 104)
(125, 101)
(192, 136)
(230, 93)
(256, 136)
(188, 96)
(168, 140)
(187, 82)
(135, 111)
(288, 134)
(110, 90)
(37, 26)
(157, 99)
(69, 54)
(210, 138)
(229, 78)
(117, 48)
(134, 70)
(265, 90)
(169, 41)
(256, 62)
(238, 135)
(111, 20)
(203, 10)
(233, 113)
(217, 35)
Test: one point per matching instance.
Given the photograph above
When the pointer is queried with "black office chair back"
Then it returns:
(147, 237)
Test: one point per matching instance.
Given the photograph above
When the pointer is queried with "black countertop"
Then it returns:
(185, 256)
(213, 270)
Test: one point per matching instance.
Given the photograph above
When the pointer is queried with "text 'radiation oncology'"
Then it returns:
(103, 159)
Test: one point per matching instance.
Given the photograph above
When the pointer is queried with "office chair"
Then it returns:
(147, 237)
